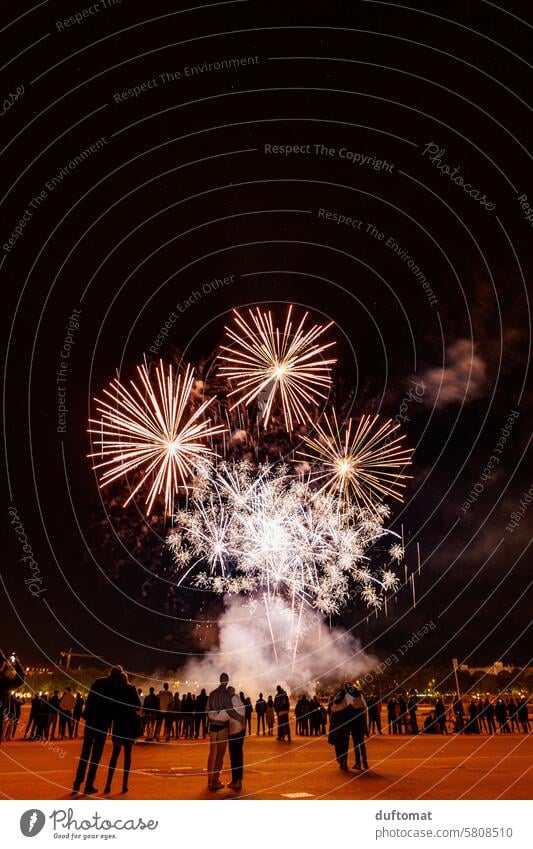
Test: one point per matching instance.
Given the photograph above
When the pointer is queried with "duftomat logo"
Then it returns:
(32, 822)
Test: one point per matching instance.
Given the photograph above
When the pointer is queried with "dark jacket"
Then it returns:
(151, 703)
(282, 703)
(54, 704)
(341, 717)
(522, 712)
(78, 707)
(101, 704)
(126, 722)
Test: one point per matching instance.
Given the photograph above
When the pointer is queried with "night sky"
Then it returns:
(365, 161)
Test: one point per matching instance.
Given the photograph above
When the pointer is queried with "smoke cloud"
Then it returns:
(460, 381)
(247, 654)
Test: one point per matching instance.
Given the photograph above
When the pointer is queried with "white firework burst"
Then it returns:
(266, 533)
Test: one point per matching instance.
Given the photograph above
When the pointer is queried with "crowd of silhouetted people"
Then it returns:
(117, 708)
(480, 716)
(170, 716)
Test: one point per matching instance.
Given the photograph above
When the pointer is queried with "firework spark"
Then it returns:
(266, 533)
(277, 365)
(363, 463)
(149, 427)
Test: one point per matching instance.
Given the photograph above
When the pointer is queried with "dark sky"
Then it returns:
(415, 122)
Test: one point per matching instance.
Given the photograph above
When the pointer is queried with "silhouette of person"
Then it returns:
(374, 714)
(270, 716)
(236, 728)
(523, 716)
(489, 711)
(260, 711)
(282, 707)
(11, 677)
(440, 716)
(219, 710)
(392, 714)
(99, 713)
(126, 728)
(77, 713)
(150, 710)
(200, 715)
(412, 707)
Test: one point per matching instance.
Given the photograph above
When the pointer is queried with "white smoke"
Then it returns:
(324, 656)
(460, 381)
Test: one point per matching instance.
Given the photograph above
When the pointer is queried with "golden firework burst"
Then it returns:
(269, 363)
(363, 462)
(149, 427)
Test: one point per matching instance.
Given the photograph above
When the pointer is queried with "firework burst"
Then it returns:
(149, 426)
(363, 462)
(266, 533)
(273, 365)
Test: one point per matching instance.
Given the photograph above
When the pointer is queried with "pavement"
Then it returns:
(401, 767)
